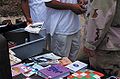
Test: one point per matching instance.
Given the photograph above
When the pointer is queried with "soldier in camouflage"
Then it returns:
(103, 36)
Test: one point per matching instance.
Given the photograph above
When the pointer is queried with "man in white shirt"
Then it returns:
(34, 11)
(64, 26)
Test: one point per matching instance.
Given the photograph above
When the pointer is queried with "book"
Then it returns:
(54, 72)
(65, 61)
(46, 59)
(16, 70)
(77, 65)
(35, 27)
(86, 74)
(32, 69)
(25, 69)
(49, 56)
(13, 59)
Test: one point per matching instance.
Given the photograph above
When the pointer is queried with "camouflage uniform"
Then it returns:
(103, 35)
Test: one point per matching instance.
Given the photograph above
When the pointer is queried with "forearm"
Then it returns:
(76, 8)
(82, 2)
(25, 8)
(58, 5)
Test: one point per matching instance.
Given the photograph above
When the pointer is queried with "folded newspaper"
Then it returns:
(35, 27)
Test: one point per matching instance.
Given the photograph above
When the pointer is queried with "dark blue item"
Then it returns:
(75, 65)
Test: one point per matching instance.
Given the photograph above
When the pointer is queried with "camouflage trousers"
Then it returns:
(107, 62)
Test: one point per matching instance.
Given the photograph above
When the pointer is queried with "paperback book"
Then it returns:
(77, 65)
(86, 74)
(16, 70)
(35, 27)
(54, 72)
(46, 59)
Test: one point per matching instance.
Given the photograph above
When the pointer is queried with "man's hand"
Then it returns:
(89, 52)
(29, 21)
(95, 14)
(77, 9)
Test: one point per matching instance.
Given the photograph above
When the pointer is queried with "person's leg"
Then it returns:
(61, 45)
(75, 46)
(107, 62)
(48, 42)
(82, 56)
(118, 63)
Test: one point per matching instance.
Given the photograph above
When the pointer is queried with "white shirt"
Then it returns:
(62, 21)
(37, 10)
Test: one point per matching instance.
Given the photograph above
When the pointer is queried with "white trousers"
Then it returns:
(66, 45)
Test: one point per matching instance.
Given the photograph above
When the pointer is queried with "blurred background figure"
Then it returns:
(5, 68)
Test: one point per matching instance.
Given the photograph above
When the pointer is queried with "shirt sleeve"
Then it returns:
(46, 0)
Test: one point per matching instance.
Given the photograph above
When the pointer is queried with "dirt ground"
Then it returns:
(10, 8)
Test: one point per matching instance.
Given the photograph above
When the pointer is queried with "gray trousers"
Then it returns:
(66, 45)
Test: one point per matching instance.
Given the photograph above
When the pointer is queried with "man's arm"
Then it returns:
(90, 43)
(82, 2)
(58, 5)
(76, 8)
(26, 10)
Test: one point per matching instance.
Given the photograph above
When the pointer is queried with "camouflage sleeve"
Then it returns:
(99, 17)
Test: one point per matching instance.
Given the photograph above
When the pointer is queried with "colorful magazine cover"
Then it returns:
(54, 72)
(86, 74)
